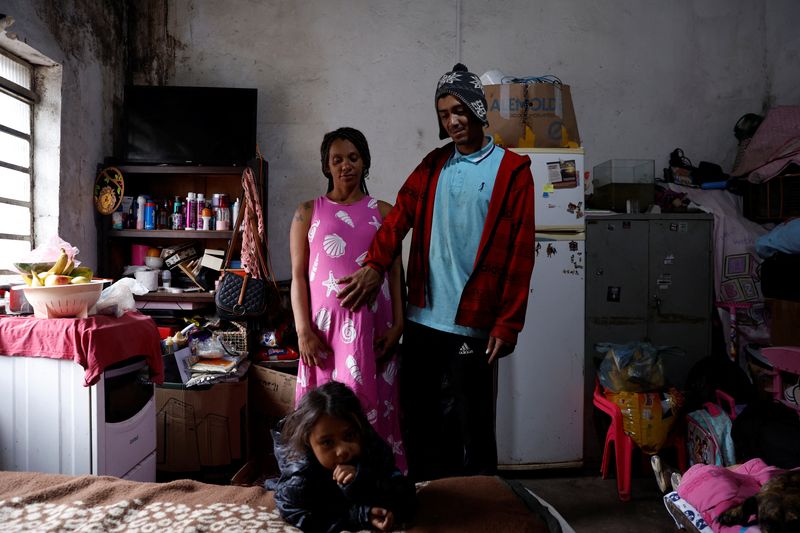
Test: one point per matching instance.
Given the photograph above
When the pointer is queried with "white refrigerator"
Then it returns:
(540, 394)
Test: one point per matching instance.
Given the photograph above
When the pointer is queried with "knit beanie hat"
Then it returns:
(465, 86)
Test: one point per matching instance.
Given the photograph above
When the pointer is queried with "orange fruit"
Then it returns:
(153, 252)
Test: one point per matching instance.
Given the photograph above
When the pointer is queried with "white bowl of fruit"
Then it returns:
(61, 291)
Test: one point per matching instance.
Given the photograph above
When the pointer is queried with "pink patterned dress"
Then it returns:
(338, 240)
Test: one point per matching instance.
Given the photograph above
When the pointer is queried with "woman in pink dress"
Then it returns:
(328, 239)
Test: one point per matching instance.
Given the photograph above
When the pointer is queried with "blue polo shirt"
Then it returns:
(459, 212)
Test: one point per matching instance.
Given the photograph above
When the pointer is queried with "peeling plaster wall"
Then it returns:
(86, 39)
(646, 76)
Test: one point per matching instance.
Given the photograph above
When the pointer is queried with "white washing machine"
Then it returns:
(50, 422)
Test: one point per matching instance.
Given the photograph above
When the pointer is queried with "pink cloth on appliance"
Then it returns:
(95, 343)
(713, 490)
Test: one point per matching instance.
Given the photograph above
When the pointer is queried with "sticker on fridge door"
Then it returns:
(576, 259)
(664, 281)
(577, 209)
(562, 174)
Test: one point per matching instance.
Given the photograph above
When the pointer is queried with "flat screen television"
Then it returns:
(189, 125)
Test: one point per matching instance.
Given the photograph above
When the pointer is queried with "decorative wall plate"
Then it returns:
(108, 190)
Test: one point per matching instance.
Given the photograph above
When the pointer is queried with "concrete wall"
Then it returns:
(646, 76)
(80, 46)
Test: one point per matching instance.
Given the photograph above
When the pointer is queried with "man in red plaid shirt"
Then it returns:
(471, 206)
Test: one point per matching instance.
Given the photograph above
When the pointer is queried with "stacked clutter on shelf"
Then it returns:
(186, 260)
(214, 352)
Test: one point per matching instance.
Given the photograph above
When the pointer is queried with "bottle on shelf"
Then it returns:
(140, 202)
(130, 219)
(177, 213)
(215, 209)
(191, 211)
(201, 204)
(150, 215)
(162, 215)
(223, 214)
(235, 212)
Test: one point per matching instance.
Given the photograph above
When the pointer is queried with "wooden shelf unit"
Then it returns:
(166, 182)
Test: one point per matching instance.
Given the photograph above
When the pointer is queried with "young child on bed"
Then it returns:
(336, 473)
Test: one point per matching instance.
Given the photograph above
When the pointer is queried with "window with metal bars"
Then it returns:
(17, 99)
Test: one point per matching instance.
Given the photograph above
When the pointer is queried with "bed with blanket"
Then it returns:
(40, 502)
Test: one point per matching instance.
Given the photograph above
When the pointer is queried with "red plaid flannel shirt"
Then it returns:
(496, 294)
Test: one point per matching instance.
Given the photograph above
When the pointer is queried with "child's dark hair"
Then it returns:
(334, 399)
(358, 140)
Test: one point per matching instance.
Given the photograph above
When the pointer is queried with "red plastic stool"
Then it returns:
(624, 444)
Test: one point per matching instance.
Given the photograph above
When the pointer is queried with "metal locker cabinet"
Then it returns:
(680, 299)
(616, 277)
(649, 278)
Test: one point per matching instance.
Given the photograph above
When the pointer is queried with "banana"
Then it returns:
(70, 266)
(35, 281)
(60, 263)
(28, 279)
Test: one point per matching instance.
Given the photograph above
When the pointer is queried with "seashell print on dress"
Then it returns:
(313, 231)
(349, 331)
(397, 449)
(302, 378)
(390, 372)
(372, 416)
(388, 408)
(360, 259)
(352, 366)
(313, 273)
(334, 245)
(323, 320)
(373, 203)
(345, 217)
(331, 285)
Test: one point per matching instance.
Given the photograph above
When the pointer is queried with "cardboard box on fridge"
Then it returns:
(200, 427)
(271, 398)
(550, 115)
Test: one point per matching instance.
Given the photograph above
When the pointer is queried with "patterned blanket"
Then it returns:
(49, 502)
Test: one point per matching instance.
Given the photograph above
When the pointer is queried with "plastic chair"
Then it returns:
(784, 359)
(624, 444)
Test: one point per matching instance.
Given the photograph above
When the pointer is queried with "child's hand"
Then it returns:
(344, 474)
(381, 519)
